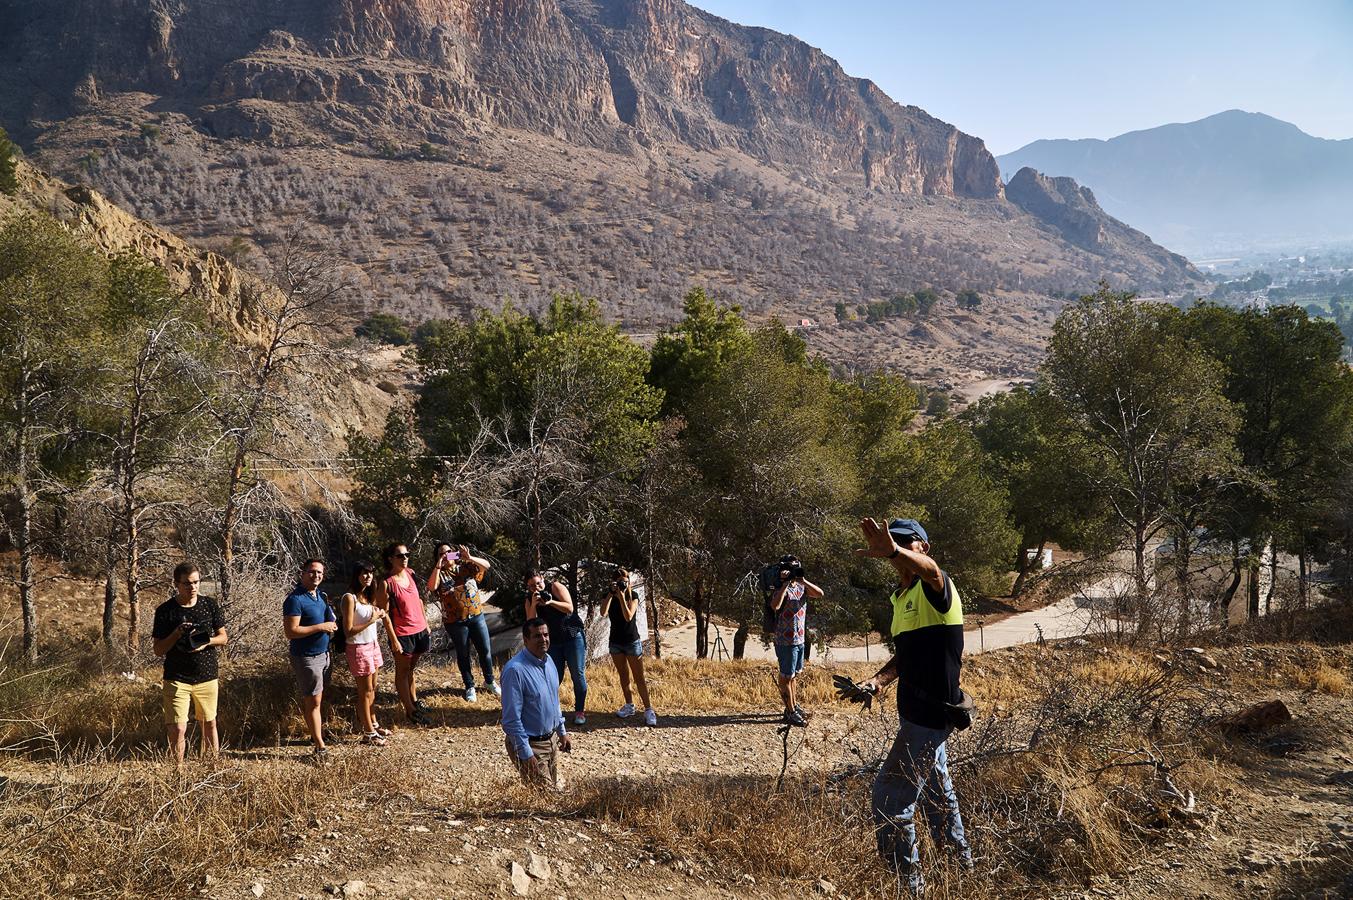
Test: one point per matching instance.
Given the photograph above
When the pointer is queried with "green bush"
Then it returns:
(384, 328)
(9, 180)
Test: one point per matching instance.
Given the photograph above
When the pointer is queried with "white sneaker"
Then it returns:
(625, 711)
(579, 718)
(650, 717)
(497, 691)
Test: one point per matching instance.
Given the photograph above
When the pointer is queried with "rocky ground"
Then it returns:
(1283, 829)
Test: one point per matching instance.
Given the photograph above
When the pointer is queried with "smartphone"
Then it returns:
(451, 556)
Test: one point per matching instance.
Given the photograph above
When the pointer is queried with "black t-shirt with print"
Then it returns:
(180, 664)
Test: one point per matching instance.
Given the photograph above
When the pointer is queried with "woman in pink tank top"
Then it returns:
(409, 639)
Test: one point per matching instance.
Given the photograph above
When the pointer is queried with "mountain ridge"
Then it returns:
(465, 152)
(1232, 180)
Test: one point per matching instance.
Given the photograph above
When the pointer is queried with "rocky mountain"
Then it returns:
(1233, 181)
(462, 152)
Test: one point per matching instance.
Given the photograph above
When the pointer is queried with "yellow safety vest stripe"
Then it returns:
(913, 610)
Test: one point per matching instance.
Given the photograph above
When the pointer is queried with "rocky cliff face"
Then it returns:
(607, 73)
(1072, 210)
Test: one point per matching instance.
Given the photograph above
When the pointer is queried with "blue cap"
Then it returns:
(903, 530)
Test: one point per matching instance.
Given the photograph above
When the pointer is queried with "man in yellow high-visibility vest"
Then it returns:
(927, 631)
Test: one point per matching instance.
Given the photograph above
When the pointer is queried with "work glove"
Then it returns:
(846, 689)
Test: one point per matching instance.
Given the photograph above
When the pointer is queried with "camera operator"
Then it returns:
(187, 630)
(927, 631)
(789, 602)
(621, 606)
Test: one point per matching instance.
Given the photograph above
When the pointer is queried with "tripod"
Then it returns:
(720, 648)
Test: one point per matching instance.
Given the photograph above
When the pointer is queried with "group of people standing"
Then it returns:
(318, 630)
(927, 629)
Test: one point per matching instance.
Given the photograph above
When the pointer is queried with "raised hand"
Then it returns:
(879, 541)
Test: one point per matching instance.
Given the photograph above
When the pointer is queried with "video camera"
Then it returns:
(770, 575)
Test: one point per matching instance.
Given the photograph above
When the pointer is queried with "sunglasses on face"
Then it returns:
(400, 555)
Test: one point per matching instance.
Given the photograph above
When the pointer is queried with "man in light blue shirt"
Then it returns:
(532, 721)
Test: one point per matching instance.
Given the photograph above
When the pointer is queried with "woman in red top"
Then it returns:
(409, 639)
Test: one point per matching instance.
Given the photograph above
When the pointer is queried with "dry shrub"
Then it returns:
(702, 685)
(1323, 677)
(95, 830)
(79, 712)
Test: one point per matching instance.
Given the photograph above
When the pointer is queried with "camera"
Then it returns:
(195, 636)
(795, 571)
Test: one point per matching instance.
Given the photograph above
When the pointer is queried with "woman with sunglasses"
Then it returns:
(397, 593)
(455, 582)
(361, 620)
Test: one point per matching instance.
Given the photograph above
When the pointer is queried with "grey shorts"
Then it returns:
(312, 673)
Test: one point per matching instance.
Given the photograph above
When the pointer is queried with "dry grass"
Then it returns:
(99, 830)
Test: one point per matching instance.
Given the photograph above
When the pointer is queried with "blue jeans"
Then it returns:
(572, 652)
(917, 766)
(473, 630)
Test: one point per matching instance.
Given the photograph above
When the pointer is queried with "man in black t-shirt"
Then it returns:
(927, 631)
(187, 631)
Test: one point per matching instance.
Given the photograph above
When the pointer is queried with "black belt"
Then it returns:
(540, 737)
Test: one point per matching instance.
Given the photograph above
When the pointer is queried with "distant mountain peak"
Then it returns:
(1230, 181)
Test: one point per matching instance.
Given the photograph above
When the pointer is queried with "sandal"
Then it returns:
(374, 739)
(383, 732)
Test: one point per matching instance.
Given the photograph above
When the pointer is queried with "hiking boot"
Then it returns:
(320, 756)
(420, 705)
(650, 718)
(420, 718)
(625, 711)
(470, 695)
(795, 718)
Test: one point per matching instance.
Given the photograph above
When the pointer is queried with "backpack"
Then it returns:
(338, 641)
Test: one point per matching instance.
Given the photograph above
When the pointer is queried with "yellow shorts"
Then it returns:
(177, 696)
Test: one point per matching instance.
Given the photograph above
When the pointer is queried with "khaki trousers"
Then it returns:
(546, 751)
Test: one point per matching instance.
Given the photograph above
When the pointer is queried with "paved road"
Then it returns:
(1069, 617)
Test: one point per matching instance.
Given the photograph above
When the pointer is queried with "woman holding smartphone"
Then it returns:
(627, 645)
(361, 621)
(554, 604)
(455, 582)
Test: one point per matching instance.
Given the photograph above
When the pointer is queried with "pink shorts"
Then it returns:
(364, 659)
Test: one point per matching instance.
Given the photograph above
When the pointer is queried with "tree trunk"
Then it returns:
(1230, 593)
(133, 551)
(24, 538)
(1303, 596)
(740, 641)
(1183, 560)
(109, 601)
(27, 602)
(1272, 576)
(654, 613)
(1252, 589)
(228, 524)
(1021, 569)
(701, 624)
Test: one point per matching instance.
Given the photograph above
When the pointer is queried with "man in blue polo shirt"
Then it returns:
(308, 620)
(533, 724)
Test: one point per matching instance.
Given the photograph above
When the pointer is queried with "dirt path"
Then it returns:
(1288, 819)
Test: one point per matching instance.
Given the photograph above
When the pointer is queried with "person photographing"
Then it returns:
(621, 607)
(788, 604)
(553, 603)
(456, 581)
(927, 631)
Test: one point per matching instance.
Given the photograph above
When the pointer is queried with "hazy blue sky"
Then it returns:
(1013, 72)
